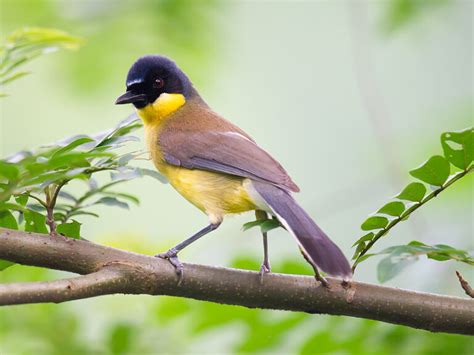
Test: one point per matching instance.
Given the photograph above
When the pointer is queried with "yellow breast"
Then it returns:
(214, 193)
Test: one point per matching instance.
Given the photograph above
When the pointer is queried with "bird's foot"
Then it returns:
(172, 256)
(264, 269)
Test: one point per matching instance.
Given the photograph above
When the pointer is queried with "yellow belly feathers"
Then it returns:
(215, 194)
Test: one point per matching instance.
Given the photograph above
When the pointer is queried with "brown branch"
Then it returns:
(465, 285)
(110, 271)
(108, 280)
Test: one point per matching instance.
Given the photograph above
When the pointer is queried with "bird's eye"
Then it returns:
(158, 83)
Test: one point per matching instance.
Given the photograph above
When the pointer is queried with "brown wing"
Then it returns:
(214, 144)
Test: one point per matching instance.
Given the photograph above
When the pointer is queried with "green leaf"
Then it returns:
(112, 201)
(391, 266)
(394, 208)
(83, 213)
(35, 222)
(13, 77)
(365, 257)
(7, 220)
(71, 230)
(8, 170)
(252, 224)
(413, 192)
(74, 144)
(434, 172)
(26, 44)
(269, 224)
(463, 156)
(129, 197)
(67, 196)
(5, 264)
(265, 225)
(22, 199)
(364, 238)
(400, 256)
(374, 222)
(121, 338)
(360, 247)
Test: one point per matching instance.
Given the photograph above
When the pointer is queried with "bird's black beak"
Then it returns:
(130, 97)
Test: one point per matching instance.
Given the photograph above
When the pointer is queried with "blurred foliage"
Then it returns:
(401, 256)
(183, 28)
(458, 148)
(400, 13)
(26, 44)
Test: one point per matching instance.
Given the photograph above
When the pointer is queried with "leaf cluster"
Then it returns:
(22, 46)
(401, 256)
(33, 185)
(458, 149)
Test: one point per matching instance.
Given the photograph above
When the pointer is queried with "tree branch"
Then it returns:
(111, 271)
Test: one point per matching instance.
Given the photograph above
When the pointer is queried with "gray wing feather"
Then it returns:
(232, 154)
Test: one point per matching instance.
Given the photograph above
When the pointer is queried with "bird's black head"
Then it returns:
(152, 75)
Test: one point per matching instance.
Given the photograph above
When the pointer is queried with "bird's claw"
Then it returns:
(172, 256)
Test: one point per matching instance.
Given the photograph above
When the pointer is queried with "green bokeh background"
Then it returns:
(347, 95)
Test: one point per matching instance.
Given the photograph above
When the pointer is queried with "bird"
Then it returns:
(218, 167)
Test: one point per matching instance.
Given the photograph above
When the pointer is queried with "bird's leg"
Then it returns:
(265, 268)
(172, 254)
(317, 275)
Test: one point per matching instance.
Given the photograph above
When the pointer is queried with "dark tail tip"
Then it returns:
(321, 250)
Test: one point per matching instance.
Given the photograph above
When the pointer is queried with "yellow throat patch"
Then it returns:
(163, 106)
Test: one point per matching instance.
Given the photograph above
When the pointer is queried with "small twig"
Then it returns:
(51, 198)
(465, 285)
(40, 201)
(50, 212)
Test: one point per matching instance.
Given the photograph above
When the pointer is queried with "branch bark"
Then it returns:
(111, 271)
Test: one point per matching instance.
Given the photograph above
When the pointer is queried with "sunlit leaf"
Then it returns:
(5, 264)
(394, 208)
(434, 172)
(364, 238)
(71, 230)
(360, 247)
(8, 171)
(458, 147)
(413, 192)
(35, 222)
(374, 222)
(7, 220)
(13, 77)
(120, 338)
(26, 44)
(74, 144)
(22, 199)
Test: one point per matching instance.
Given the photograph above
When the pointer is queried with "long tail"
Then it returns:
(317, 245)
